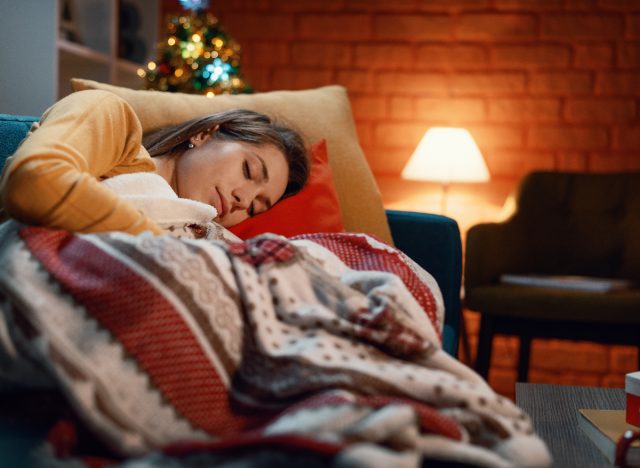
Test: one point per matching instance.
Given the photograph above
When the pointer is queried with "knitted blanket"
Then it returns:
(191, 348)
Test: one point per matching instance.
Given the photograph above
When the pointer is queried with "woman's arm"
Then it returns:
(52, 179)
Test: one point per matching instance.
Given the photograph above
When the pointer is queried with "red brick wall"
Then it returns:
(540, 83)
(550, 84)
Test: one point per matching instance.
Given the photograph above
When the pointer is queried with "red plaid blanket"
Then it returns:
(192, 346)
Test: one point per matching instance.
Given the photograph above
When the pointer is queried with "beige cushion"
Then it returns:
(316, 113)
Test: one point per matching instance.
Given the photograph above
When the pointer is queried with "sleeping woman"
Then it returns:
(238, 161)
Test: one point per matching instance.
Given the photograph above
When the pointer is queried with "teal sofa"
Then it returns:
(432, 241)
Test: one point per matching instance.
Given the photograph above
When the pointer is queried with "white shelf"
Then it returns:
(97, 22)
(81, 52)
(71, 51)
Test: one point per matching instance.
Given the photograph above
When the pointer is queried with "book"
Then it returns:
(574, 282)
(604, 428)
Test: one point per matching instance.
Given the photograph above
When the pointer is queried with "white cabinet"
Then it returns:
(105, 40)
(37, 63)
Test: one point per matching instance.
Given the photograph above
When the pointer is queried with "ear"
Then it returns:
(203, 136)
(199, 138)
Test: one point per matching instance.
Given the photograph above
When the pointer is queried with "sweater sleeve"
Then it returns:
(52, 179)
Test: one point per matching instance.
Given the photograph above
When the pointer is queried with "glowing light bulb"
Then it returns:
(178, 73)
(141, 73)
(171, 41)
(210, 94)
(195, 38)
(151, 65)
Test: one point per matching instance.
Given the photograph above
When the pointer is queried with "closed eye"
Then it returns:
(246, 170)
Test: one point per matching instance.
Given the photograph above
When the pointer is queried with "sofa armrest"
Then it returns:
(13, 129)
(433, 241)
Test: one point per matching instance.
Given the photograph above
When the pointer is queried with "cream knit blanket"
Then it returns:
(180, 217)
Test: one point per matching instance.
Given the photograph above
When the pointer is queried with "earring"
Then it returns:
(190, 146)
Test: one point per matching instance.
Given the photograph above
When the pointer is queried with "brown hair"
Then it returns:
(237, 125)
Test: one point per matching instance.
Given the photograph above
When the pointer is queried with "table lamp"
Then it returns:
(446, 155)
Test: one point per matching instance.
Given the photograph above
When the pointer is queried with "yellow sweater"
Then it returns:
(53, 178)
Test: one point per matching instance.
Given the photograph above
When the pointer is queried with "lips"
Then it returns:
(220, 204)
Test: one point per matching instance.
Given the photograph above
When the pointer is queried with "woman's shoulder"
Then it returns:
(94, 95)
(95, 101)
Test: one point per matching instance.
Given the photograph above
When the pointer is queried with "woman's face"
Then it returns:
(239, 179)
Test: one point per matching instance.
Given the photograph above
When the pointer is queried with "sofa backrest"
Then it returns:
(580, 223)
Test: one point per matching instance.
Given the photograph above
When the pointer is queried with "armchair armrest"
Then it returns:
(433, 241)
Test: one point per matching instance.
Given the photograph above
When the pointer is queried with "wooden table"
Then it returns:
(554, 411)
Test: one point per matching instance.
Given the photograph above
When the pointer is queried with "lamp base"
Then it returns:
(443, 199)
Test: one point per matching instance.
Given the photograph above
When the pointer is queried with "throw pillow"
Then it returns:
(315, 209)
(317, 113)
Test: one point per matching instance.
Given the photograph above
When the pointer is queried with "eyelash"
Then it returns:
(246, 170)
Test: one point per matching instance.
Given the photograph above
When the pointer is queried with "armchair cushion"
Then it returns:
(556, 304)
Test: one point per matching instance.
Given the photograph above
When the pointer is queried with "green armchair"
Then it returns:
(564, 224)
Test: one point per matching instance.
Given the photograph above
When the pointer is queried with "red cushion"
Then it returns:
(314, 209)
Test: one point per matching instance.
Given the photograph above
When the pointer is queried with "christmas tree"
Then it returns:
(197, 56)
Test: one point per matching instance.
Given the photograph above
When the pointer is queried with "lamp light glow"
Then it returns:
(445, 155)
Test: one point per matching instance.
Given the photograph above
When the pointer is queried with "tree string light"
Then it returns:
(196, 56)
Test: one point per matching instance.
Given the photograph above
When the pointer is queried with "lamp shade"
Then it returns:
(447, 155)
